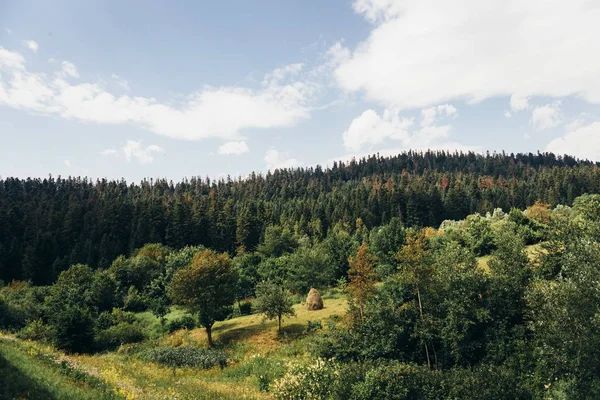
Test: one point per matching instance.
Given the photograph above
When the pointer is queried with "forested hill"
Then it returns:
(48, 224)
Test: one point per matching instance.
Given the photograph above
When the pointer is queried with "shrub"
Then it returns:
(395, 381)
(122, 333)
(186, 357)
(313, 326)
(245, 308)
(185, 322)
(307, 381)
(35, 330)
(134, 301)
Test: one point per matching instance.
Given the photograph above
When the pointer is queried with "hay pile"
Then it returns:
(314, 300)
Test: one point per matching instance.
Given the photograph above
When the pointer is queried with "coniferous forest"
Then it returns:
(429, 276)
(46, 225)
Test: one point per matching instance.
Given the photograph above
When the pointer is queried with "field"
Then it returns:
(258, 354)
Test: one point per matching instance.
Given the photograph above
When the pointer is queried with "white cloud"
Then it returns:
(277, 160)
(577, 122)
(279, 75)
(583, 142)
(134, 150)
(518, 103)
(212, 112)
(70, 69)
(507, 114)
(8, 31)
(371, 129)
(121, 82)
(427, 52)
(109, 152)
(546, 117)
(31, 45)
(68, 163)
(429, 115)
(236, 148)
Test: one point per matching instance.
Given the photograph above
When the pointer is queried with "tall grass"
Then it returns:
(27, 373)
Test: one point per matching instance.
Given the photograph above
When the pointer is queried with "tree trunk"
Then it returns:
(423, 320)
(279, 324)
(209, 335)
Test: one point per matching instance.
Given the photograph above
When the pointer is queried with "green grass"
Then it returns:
(28, 373)
(257, 353)
(533, 251)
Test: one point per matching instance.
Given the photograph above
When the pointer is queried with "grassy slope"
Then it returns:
(30, 371)
(254, 346)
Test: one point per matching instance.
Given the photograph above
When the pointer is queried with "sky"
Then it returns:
(153, 89)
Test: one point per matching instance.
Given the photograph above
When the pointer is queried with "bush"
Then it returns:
(307, 381)
(35, 330)
(72, 329)
(186, 357)
(185, 322)
(122, 333)
(394, 381)
(134, 301)
(245, 308)
(313, 326)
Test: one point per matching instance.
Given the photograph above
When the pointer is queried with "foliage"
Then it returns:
(186, 357)
(273, 301)
(207, 288)
(306, 381)
(35, 330)
(122, 333)
(185, 322)
(361, 278)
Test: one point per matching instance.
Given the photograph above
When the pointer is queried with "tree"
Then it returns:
(274, 301)
(69, 314)
(417, 271)
(207, 288)
(361, 277)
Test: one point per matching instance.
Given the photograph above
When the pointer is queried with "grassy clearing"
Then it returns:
(258, 356)
(31, 371)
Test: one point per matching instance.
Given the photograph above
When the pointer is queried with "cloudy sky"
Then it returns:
(139, 89)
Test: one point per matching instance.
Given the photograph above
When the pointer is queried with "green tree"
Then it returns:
(274, 301)
(207, 288)
(417, 270)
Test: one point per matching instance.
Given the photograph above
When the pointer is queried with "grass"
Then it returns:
(533, 251)
(31, 371)
(258, 356)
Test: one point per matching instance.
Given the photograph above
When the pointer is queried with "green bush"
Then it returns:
(313, 326)
(122, 333)
(35, 330)
(185, 322)
(134, 301)
(186, 357)
(245, 308)
(314, 380)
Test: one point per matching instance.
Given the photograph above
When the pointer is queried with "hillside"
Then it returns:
(46, 225)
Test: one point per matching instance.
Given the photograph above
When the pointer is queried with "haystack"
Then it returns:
(314, 300)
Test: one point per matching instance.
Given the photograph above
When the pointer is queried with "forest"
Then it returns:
(442, 276)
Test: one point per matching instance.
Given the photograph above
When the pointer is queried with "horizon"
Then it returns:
(308, 168)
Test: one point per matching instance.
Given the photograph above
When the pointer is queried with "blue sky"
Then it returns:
(177, 89)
